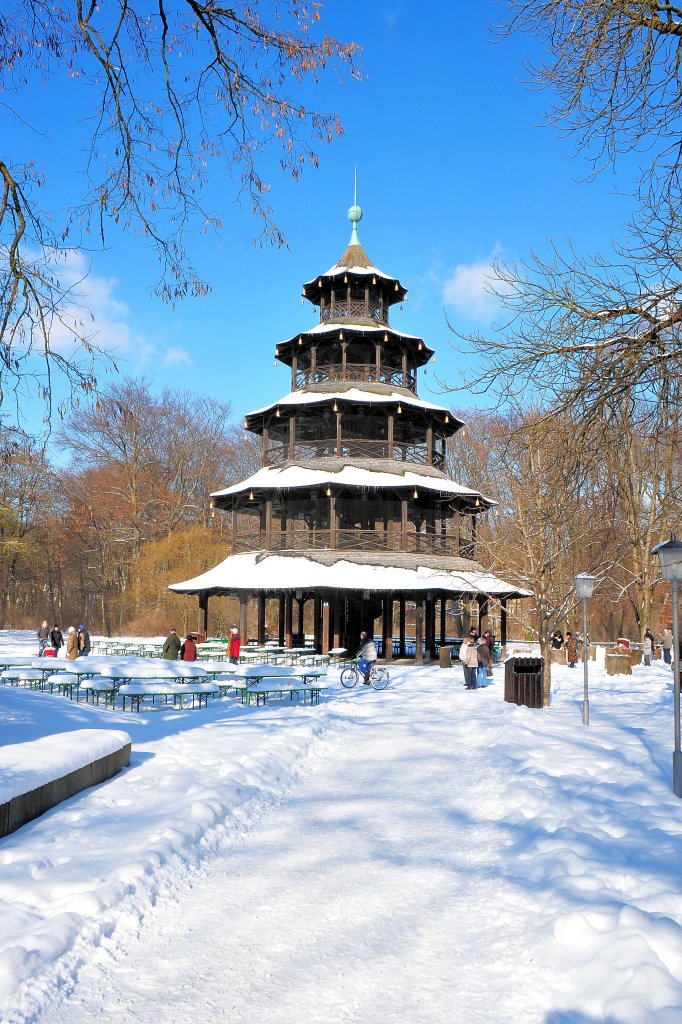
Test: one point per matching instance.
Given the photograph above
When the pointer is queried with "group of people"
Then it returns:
(186, 650)
(570, 643)
(77, 642)
(476, 655)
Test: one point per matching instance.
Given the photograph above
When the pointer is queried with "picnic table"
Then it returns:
(199, 691)
(21, 677)
(261, 681)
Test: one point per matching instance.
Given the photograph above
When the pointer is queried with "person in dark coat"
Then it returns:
(56, 639)
(171, 647)
(188, 649)
(557, 641)
(83, 642)
(571, 649)
(485, 659)
(43, 635)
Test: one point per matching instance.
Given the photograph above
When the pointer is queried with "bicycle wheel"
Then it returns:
(380, 678)
(349, 678)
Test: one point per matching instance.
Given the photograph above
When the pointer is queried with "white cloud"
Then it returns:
(177, 357)
(467, 288)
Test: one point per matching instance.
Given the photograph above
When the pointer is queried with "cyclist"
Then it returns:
(366, 656)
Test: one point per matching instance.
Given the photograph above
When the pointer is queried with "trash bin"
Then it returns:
(446, 657)
(524, 679)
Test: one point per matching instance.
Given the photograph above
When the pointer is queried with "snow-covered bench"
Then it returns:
(165, 690)
(30, 677)
(280, 687)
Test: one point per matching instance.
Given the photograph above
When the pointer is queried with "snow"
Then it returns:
(26, 766)
(422, 853)
(357, 396)
(254, 570)
(362, 328)
(347, 476)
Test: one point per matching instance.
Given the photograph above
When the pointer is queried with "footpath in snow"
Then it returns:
(425, 853)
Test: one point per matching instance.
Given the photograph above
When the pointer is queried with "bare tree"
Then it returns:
(175, 89)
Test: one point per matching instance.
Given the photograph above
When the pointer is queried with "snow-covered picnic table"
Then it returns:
(198, 690)
(262, 680)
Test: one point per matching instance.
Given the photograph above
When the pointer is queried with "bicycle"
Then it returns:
(378, 676)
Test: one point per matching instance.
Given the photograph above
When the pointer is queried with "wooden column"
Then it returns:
(294, 371)
(344, 346)
(404, 369)
(317, 623)
(268, 524)
(391, 427)
(429, 445)
(301, 619)
(332, 524)
(244, 617)
(288, 619)
(443, 620)
(367, 302)
(203, 612)
(264, 457)
(313, 363)
(292, 437)
(503, 625)
(403, 524)
(387, 632)
(325, 627)
(419, 630)
(261, 619)
(336, 620)
(377, 357)
(431, 628)
(281, 630)
(338, 434)
(401, 625)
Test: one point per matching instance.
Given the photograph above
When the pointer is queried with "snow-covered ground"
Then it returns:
(425, 853)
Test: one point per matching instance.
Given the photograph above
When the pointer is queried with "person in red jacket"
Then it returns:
(188, 649)
(233, 646)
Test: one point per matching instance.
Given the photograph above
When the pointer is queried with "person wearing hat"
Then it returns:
(72, 644)
(188, 649)
(171, 647)
(234, 646)
(83, 642)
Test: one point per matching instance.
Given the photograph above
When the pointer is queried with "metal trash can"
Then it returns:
(524, 679)
(446, 657)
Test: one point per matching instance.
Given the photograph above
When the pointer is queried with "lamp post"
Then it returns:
(584, 588)
(670, 555)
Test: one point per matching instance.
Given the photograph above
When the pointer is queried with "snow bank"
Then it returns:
(26, 766)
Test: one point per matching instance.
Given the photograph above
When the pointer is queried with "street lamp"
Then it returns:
(670, 556)
(584, 588)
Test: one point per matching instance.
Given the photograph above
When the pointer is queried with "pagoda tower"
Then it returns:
(352, 508)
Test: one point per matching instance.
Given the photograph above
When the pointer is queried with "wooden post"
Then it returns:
(292, 437)
(281, 630)
(336, 617)
(431, 628)
(313, 363)
(387, 633)
(317, 623)
(401, 625)
(325, 627)
(404, 369)
(288, 619)
(294, 371)
(377, 357)
(268, 524)
(244, 617)
(338, 434)
(264, 456)
(419, 630)
(391, 425)
(443, 621)
(429, 445)
(301, 620)
(503, 625)
(261, 619)
(403, 523)
(332, 525)
(203, 612)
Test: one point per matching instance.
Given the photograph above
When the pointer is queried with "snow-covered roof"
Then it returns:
(365, 326)
(257, 571)
(354, 476)
(363, 396)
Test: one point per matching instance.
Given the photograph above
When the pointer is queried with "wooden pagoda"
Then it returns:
(352, 509)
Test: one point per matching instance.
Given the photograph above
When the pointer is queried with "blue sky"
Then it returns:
(454, 166)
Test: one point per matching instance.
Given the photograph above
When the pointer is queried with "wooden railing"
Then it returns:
(360, 372)
(355, 540)
(357, 311)
(325, 448)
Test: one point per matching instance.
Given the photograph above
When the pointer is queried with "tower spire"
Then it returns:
(355, 213)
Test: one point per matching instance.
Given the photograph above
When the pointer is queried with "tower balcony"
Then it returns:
(362, 312)
(355, 540)
(360, 373)
(283, 453)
